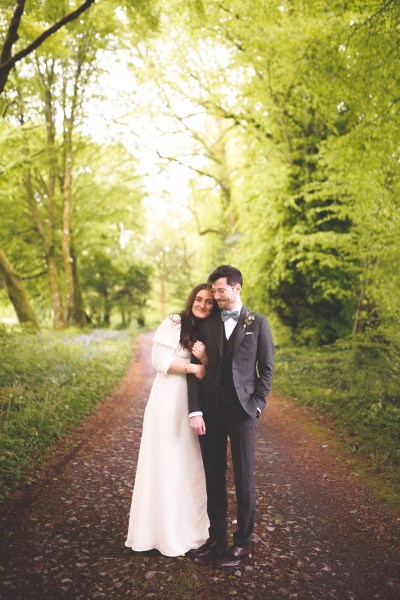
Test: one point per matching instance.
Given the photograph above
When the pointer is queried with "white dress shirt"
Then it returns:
(230, 323)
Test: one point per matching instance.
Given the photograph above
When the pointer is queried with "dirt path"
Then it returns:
(320, 534)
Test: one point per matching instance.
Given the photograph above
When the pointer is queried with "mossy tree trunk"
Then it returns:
(17, 295)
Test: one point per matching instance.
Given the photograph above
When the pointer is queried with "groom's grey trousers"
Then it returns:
(235, 423)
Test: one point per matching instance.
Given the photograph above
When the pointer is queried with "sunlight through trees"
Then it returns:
(269, 130)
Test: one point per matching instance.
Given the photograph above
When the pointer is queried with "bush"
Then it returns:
(48, 383)
(357, 384)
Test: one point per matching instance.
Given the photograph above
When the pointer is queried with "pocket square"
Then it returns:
(249, 332)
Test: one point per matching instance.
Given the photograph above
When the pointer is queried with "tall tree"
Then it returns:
(8, 60)
(77, 70)
(80, 43)
(41, 189)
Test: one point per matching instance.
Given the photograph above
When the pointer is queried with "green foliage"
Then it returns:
(57, 80)
(358, 385)
(108, 221)
(319, 127)
(109, 287)
(48, 383)
(288, 117)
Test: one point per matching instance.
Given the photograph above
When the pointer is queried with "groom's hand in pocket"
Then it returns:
(197, 424)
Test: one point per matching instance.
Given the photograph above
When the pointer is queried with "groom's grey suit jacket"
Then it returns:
(252, 364)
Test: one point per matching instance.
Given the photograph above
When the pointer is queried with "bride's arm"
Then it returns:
(164, 362)
(178, 367)
(165, 343)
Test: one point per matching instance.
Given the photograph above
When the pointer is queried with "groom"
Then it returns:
(233, 393)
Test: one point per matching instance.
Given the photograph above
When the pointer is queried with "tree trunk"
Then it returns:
(48, 248)
(17, 295)
(56, 298)
(74, 304)
(79, 317)
(75, 313)
(49, 230)
(360, 301)
(10, 39)
(66, 236)
(107, 308)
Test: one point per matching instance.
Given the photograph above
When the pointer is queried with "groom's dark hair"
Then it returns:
(233, 275)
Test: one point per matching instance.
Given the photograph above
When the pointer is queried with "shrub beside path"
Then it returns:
(321, 534)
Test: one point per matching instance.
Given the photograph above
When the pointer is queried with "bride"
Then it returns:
(169, 504)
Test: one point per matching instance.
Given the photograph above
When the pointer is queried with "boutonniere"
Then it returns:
(248, 318)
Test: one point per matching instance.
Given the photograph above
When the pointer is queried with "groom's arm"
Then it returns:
(265, 364)
(193, 384)
(194, 404)
(194, 397)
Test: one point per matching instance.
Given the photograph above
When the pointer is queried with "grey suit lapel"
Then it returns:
(218, 331)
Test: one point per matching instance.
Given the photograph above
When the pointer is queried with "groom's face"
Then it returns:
(226, 295)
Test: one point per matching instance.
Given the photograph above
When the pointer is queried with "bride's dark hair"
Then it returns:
(188, 320)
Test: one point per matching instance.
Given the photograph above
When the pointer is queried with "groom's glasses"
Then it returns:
(221, 291)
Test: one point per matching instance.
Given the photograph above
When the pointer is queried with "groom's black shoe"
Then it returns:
(234, 557)
(211, 548)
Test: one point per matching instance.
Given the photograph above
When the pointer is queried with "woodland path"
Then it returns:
(320, 532)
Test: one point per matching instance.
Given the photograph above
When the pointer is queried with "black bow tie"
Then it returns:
(226, 314)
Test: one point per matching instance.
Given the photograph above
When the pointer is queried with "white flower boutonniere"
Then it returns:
(248, 318)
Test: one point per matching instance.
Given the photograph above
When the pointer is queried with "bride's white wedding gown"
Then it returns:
(169, 504)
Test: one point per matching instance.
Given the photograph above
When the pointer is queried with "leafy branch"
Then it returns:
(7, 59)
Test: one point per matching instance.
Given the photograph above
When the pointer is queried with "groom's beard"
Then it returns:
(226, 303)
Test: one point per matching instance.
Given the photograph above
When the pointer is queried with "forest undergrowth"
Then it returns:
(356, 385)
(49, 382)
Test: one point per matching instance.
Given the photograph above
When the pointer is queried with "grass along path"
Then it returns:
(48, 384)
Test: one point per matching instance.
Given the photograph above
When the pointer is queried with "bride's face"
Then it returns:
(203, 304)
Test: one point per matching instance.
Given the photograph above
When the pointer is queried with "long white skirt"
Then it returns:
(169, 503)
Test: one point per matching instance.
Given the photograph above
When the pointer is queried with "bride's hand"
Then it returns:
(198, 371)
(199, 351)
